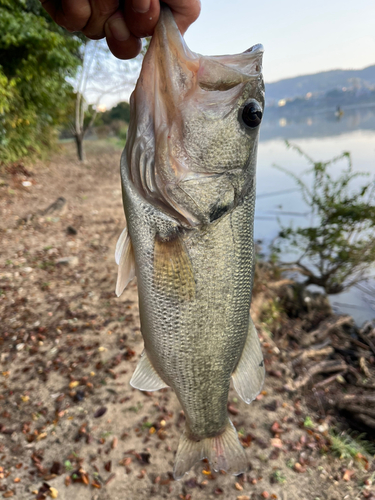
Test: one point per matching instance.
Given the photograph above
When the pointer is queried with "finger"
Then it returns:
(185, 12)
(73, 14)
(101, 11)
(142, 23)
(51, 6)
(121, 42)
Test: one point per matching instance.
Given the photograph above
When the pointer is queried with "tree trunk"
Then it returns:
(79, 144)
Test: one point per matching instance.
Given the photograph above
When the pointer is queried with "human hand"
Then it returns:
(122, 23)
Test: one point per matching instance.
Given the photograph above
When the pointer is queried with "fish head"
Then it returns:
(194, 126)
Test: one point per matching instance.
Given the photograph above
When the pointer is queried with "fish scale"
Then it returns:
(188, 178)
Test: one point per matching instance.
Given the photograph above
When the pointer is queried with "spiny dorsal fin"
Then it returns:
(124, 257)
(173, 272)
(248, 377)
(145, 377)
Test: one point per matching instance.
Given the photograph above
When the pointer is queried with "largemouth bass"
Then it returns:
(188, 180)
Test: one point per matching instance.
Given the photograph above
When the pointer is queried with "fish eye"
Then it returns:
(252, 114)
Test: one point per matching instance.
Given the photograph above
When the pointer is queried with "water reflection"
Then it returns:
(323, 123)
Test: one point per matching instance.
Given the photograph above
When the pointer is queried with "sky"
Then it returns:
(299, 37)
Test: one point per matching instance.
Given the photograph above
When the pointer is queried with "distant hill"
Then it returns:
(320, 83)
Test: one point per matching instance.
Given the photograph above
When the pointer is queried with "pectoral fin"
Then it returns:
(124, 257)
(145, 377)
(248, 377)
(173, 273)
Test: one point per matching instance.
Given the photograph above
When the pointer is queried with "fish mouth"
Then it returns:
(178, 71)
(176, 65)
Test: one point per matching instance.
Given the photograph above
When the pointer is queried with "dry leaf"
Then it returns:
(348, 475)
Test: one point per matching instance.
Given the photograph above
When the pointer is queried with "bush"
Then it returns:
(336, 251)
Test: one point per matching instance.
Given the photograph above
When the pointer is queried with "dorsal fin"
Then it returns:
(124, 257)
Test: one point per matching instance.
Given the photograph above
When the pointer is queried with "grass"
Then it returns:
(68, 465)
(345, 446)
(308, 423)
(278, 477)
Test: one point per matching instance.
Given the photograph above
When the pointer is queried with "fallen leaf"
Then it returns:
(275, 428)
(57, 468)
(348, 475)
(233, 410)
(100, 412)
(8, 494)
(53, 493)
(298, 467)
(276, 443)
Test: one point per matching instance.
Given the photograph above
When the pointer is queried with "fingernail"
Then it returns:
(141, 6)
(119, 29)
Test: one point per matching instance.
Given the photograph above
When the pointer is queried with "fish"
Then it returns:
(188, 187)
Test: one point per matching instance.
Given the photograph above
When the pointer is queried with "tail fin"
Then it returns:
(224, 452)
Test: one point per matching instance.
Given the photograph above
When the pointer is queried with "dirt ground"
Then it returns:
(71, 427)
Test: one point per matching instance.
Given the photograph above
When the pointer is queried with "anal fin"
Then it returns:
(145, 377)
(126, 263)
(248, 377)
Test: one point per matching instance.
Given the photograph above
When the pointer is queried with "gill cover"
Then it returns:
(172, 79)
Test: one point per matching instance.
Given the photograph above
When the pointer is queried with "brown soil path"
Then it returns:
(68, 348)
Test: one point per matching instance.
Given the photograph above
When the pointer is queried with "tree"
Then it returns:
(100, 75)
(336, 251)
(119, 112)
(36, 56)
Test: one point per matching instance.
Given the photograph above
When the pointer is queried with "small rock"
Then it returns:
(64, 261)
(67, 261)
(70, 230)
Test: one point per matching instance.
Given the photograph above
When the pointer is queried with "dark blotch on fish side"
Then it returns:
(218, 211)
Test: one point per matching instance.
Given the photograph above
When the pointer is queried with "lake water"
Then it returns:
(322, 137)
